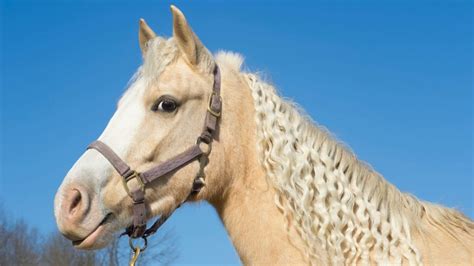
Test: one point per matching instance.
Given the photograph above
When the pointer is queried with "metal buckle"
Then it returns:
(134, 175)
(209, 105)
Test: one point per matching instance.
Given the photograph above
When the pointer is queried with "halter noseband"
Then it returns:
(138, 228)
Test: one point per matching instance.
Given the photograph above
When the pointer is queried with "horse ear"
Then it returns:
(187, 41)
(145, 33)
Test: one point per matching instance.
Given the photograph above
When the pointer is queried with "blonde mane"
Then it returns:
(343, 210)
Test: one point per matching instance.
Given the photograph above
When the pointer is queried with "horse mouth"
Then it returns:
(89, 241)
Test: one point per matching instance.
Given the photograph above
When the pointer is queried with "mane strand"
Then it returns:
(343, 210)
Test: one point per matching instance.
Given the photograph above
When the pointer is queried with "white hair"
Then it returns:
(343, 210)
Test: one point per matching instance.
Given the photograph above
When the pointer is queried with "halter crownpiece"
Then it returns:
(138, 228)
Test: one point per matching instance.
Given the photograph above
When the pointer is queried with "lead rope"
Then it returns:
(134, 258)
(136, 250)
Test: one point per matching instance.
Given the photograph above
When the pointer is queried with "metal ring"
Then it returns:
(145, 244)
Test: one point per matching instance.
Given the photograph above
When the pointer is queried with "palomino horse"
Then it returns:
(286, 191)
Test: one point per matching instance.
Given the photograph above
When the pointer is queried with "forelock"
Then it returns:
(160, 53)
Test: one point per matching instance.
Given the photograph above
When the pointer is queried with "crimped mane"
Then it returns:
(344, 211)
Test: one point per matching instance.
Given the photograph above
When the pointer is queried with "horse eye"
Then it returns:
(165, 105)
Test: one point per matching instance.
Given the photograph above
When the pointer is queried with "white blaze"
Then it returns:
(92, 169)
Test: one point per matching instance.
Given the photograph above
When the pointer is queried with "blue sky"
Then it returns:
(391, 79)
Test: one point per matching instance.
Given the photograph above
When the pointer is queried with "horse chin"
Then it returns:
(100, 237)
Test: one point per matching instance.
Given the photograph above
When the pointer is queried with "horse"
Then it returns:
(286, 191)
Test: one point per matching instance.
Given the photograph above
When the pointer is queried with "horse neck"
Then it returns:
(255, 225)
(245, 201)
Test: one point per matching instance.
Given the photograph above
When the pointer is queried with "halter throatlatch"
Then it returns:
(200, 151)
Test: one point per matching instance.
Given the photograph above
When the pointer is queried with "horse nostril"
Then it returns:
(76, 198)
(75, 212)
(76, 203)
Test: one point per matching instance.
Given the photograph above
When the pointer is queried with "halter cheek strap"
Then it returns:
(138, 228)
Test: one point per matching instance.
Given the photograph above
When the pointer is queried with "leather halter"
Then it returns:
(138, 228)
